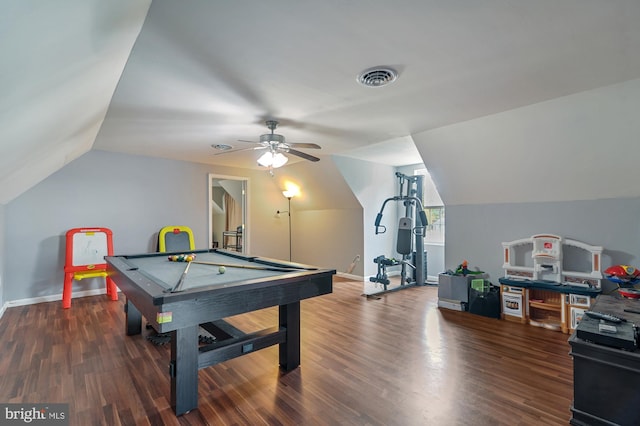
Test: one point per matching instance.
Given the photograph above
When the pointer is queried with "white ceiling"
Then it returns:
(203, 72)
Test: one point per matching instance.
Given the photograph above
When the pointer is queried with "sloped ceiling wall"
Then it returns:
(578, 147)
(57, 81)
(62, 61)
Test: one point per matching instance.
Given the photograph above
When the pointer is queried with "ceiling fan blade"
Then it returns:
(229, 151)
(304, 145)
(253, 142)
(303, 155)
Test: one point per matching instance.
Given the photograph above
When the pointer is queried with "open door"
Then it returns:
(228, 226)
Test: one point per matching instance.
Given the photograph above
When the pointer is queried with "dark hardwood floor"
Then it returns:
(396, 360)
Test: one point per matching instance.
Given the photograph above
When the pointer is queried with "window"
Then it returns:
(435, 229)
(433, 207)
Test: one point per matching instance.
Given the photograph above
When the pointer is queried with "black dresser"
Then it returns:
(606, 377)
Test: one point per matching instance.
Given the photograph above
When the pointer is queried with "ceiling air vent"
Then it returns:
(221, 146)
(377, 76)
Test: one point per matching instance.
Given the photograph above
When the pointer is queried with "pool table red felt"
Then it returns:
(205, 299)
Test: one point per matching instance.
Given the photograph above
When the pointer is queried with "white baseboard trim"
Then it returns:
(53, 298)
(350, 276)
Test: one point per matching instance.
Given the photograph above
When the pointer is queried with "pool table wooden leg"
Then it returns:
(184, 369)
(289, 317)
(133, 319)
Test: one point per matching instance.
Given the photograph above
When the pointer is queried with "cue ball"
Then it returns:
(222, 269)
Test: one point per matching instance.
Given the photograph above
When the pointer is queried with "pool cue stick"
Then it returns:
(178, 287)
(231, 265)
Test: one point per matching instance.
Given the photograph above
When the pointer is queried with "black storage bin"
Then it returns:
(485, 303)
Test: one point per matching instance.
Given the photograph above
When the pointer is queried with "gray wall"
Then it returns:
(135, 196)
(333, 236)
(371, 183)
(2, 257)
(578, 147)
(475, 232)
(325, 230)
(435, 260)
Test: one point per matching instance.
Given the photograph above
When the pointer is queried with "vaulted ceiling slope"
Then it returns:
(202, 73)
(60, 63)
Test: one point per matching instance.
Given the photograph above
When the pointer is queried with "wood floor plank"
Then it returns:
(392, 360)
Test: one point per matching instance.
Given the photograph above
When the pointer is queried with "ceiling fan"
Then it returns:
(277, 147)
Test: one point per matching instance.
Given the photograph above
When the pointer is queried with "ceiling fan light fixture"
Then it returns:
(279, 160)
(377, 76)
(269, 159)
(266, 159)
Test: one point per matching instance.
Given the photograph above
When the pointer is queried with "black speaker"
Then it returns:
(485, 303)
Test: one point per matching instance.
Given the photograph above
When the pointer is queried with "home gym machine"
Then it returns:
(410, 239)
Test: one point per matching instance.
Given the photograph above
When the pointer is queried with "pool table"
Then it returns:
(204, 298)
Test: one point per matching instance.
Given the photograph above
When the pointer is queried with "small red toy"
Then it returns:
(623, 274)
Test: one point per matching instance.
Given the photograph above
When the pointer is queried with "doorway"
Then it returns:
(228, 207)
